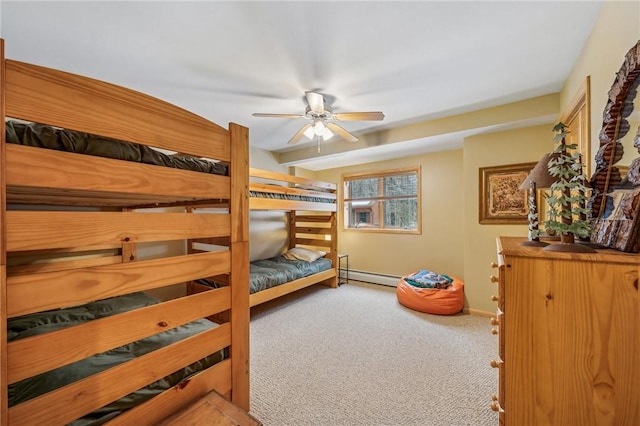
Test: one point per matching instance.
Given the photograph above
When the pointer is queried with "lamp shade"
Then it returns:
(540, 175)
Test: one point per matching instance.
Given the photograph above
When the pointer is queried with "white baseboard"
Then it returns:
(372, 277)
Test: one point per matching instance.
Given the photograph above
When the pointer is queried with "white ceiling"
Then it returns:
(414, 60)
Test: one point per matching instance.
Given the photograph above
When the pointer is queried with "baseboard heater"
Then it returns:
(374, 277)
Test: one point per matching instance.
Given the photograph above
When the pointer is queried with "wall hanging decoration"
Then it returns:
(501, 199)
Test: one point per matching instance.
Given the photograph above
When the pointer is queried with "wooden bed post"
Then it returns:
(4, 408)
(291, 216)
(239, 211)
(333, 254)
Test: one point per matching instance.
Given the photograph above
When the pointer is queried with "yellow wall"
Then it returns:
(439, 248)
(508, 147)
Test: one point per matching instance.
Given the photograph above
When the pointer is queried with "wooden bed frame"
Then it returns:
(107, 199)
(312, 224)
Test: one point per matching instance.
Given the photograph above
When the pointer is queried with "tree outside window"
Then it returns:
(387, 201)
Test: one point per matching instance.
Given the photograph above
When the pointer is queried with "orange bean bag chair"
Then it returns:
(447, 301)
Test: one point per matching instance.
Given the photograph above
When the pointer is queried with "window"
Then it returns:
(386, 201)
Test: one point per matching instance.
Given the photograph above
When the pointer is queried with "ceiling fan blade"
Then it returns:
(315, 101)
(260, 114)
(296, 138)
(359, 116)
(341, 132)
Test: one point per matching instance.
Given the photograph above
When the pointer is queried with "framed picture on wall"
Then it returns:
(501, 202)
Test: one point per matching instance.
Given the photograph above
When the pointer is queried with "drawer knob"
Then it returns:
(494, 331)
(494, 298)
(494, 321)
(493, 279)
(495, 364)
(494, 265)
(495, 406)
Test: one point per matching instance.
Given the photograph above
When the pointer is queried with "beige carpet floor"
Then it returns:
(355, 356)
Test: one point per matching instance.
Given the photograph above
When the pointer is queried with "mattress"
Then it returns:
(267, 273)
(42, 136)
(40, 323)
(279, 196)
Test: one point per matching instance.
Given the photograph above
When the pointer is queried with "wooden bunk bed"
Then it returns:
(312, 222)
(91, 214)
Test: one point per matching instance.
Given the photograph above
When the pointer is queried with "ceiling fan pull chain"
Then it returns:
(318, 139)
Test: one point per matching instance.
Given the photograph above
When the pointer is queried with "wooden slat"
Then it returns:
(49, 96)
(257, 203)
(281, 290)
(267, 174)
(312, 242)
(34, 230)
(39, 268)
(87, 395)
(39, 292)
(33, 355)
(100, 176)
(314, 218)
(311, 230)
(216, 241)
(216, 377)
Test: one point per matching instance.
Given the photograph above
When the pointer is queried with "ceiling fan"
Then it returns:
(322, 119)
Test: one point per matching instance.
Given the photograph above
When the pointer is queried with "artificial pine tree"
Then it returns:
(568, 195)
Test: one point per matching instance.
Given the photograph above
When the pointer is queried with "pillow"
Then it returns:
(299, 253)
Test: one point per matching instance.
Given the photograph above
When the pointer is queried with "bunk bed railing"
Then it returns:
(48, 96)
(53, 178)
(277, 191)
(71, 176)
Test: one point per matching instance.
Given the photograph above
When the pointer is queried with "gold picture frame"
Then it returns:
(501, 201)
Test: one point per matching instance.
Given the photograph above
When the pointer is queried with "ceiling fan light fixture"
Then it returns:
(322, 120)
(327, 134)
(310, 132)
(319, 128)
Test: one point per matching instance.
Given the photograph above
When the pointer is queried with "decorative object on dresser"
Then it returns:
(501, 199)
(615, 201)
(539, 178)
(568, 337)
(568, 199)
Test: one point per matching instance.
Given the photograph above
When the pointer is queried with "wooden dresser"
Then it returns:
(568, 328)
